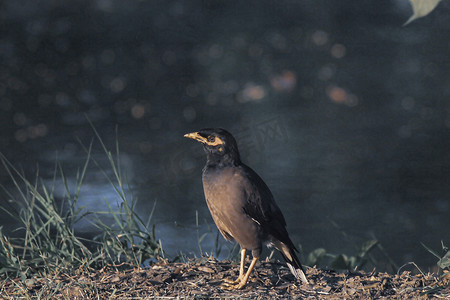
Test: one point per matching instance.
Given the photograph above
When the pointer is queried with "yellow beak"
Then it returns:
(196, 136)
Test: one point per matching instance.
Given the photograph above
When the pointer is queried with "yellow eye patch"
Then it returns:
(213, 141)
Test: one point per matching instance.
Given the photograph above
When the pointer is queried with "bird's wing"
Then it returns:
(261, 207)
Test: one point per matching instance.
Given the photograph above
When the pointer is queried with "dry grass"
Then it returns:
(202, 279)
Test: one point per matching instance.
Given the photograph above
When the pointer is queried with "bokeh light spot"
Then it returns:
(284, 82)
(336, 94)
(41, 130)
(138, 111)
(341, 96)
(319, 38)
(252, 92)
(21, 135)
(338, 50)
(326, 72)
(117, 85)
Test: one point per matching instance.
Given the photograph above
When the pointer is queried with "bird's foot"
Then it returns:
(233, 284)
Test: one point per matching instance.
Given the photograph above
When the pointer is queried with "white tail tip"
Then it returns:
(298, 273)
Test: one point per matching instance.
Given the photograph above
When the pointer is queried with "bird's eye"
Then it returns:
(211, 138)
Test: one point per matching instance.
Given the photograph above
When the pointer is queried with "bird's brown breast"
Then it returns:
(226, 197)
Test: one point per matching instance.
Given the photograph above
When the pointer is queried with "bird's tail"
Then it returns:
(292, 261)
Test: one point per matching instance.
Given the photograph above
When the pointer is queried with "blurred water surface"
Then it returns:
(342, 111)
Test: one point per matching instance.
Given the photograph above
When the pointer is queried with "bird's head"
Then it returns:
(220, 146)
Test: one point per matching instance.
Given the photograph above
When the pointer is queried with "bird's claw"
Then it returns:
(232, 286)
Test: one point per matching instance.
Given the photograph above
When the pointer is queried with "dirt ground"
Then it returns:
(202, 280)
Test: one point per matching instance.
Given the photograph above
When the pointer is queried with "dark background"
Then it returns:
(344, 112)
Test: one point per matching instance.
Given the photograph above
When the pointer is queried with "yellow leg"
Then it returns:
(244, 280)
(241, 269)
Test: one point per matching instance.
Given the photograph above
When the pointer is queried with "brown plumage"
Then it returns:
(242, 205)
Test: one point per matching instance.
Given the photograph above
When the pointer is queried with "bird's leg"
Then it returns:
(244, 279)
(241, 269)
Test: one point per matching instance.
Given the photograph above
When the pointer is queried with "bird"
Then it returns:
(242, 205)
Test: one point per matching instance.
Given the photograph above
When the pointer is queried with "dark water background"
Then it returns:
(344, 112)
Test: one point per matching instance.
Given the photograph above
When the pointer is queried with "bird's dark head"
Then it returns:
(220, 146)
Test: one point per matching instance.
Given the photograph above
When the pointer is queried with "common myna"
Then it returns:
(242, 205)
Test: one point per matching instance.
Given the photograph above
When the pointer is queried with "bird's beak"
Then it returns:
(195, 136)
